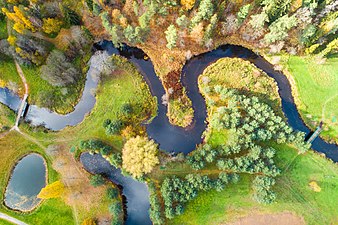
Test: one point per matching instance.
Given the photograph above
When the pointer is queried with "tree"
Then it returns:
(171, 36)
(58, 71)
(187, 4)
(182, 21)
(139, 156)
(115, 208)
(11, 40)
(243, 12)
(205, 11)
(258, 21)
(89, 221)
(51, 25)
(279, 28)
(112, 193)
(53, 190)
(97, 180)
(114, 127)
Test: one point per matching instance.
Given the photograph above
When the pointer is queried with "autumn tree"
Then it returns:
(51, 25)
(53, 190)
(187, 4)
(139, 156)
(58, 71)
(89, 221)
(20, 19)
(11, 40)
(171, 36)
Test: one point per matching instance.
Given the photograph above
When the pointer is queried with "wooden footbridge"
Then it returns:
(316, 133)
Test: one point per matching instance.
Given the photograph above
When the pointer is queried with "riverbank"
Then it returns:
(293, 189)
(315, 86)
(124, 84)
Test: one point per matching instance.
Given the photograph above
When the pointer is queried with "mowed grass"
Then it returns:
(317, 88)
(35, 82)
(292, 188)
(12, 148)
(5, 222)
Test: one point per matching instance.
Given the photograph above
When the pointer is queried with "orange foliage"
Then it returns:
(188, 4)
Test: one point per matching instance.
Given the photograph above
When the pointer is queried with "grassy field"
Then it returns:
(124, 85)
(292, 188)
(12, 148)
(317, 92)
(4, 222)
(9, 76)
(227, 72)
(40, 92)
(7, 118)
(3, 29)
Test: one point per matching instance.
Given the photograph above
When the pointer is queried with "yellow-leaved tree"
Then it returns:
(88, 221)
(51, 25)
(11, 40)
(21, 22)
(139, 156)
(53, 190)
(187, 4)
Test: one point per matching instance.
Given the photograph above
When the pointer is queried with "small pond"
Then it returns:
(27, 179)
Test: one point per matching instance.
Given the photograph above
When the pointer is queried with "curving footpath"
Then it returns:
(11, 219)
(23, 102)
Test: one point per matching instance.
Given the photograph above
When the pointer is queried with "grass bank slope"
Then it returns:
(317, 92)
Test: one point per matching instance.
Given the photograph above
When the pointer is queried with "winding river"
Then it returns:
(170, 138)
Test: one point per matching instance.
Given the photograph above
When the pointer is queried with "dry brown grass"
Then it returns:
(87, 201)
(284, 218)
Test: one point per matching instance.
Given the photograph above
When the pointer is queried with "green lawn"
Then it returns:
(4, 222)
(12, 148)
(317, 88)
(293, 194)
(3, 29)
(8, 75)
(7, 118)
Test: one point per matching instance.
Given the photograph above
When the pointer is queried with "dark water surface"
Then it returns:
(27, 180)
(137, 193)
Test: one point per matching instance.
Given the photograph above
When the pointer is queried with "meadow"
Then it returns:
(316, 91)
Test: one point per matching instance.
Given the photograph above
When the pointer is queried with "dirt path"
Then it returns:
(284, 218)
(23, 102)
(11, 219)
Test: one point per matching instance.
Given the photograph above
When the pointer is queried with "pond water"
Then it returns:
(136, 193)
(27, 179)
